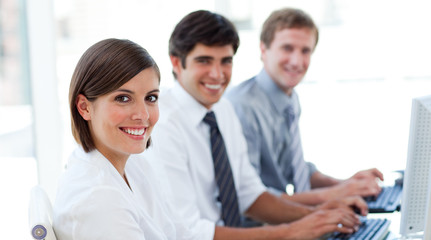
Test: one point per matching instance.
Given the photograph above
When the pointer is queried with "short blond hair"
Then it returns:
(286, 18)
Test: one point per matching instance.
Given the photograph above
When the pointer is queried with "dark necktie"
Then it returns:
(301, 172)
(223, 174)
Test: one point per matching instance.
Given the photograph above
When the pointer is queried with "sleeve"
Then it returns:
(104, 215)
(160, 181)
(312, 168)
(250, 130)
(183, 231)
(275, 191)
(250, 185)
(170, 149)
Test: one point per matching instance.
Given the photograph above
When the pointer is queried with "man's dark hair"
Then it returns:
(205, 27)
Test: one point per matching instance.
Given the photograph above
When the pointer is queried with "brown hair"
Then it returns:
(103, 68)
(286, 18)
(208, 28)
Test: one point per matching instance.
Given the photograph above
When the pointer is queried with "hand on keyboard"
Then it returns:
(370, 229)
(322, 222)
(370, 198)
(348, 203)
(387, 201)
(354, 187)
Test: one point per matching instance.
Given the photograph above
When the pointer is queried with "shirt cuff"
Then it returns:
(311, 167)
(275, 191)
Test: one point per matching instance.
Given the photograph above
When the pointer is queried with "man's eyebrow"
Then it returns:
(203, 58)
(287, 45)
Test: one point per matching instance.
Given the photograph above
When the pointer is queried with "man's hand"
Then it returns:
(353, 203)
(363, 183)
(322, 222)
(371, 174)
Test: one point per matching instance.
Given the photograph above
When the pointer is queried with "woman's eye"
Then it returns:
(152, 98)
(122, 99)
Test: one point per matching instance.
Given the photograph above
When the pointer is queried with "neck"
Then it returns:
(118, 161)
(289, 92)
(120, 165)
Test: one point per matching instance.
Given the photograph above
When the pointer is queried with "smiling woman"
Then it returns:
(120, 122)
(113, 103)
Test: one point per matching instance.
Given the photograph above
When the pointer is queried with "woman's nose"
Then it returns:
(141, 112)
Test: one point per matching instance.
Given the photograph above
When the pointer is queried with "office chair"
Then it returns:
(40, 215)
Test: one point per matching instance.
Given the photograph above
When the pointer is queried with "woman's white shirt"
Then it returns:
(94, 202)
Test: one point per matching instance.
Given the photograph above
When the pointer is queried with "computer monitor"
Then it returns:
(415, 204)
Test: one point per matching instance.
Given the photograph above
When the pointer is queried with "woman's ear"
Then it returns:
(83, 106)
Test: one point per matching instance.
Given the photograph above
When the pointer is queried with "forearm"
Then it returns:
(321, 190)
(311, 226)
(330, 188)
(274, 210)
(320, 180)
(256, 233)
(311, 198)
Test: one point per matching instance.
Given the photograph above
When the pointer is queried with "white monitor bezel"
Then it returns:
(417, 179)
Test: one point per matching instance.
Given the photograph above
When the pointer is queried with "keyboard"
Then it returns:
(370, 229)
(389, 200)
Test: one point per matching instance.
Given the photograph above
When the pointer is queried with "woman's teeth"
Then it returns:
(136, 132)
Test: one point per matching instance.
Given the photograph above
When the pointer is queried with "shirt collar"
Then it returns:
(278, 98)
(94, 157)
(194, 110)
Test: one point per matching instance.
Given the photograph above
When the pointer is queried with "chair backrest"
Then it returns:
(40, 215)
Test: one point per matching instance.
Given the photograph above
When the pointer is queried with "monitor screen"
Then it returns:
(416, 189)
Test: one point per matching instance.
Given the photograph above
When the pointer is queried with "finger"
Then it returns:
(350, 220)
(346, 217)
(364, 211)
(360, 204)
(345, 223)
(377, 173)
(378, 189)
(380, 175)
(343, 229)
(374, 188)
(330, 228)
(368, 188)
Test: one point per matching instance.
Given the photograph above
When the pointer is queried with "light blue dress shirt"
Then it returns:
(260, 105)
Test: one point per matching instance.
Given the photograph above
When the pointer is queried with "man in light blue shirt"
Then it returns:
(268, 108)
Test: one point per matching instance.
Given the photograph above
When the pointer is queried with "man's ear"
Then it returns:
(176, 64)
(262, 51)
(83, 106)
